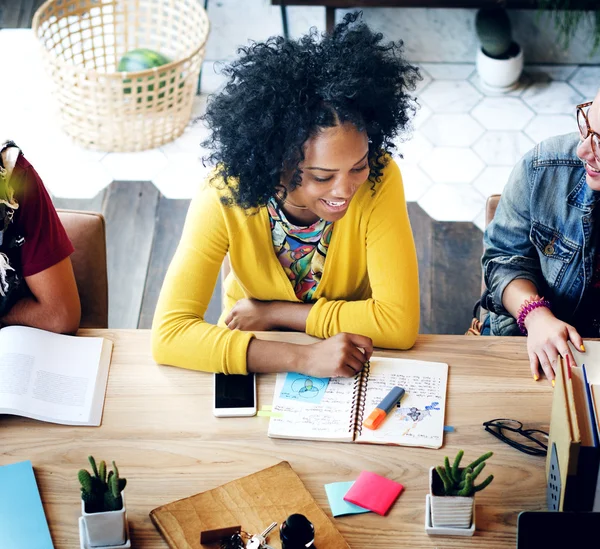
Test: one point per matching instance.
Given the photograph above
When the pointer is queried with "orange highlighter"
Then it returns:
(384, 408)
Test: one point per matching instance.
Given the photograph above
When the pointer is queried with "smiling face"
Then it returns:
(335, 165)
(585, 151)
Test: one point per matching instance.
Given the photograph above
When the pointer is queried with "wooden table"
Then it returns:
(159, 428)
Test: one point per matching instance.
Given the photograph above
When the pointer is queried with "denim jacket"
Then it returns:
(543, 231)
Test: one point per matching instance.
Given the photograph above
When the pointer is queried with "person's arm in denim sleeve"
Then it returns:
(508, 251)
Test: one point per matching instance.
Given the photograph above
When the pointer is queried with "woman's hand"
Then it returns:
(547, 338)
(250, 315)
(343, 355)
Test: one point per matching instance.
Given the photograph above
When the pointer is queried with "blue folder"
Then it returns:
(23, 523)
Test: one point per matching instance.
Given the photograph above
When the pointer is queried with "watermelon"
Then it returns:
(142, 59)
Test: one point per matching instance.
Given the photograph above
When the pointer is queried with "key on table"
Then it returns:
(257, 541)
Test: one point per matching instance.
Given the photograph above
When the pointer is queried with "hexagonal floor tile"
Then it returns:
(502, 113)
(423, 114)
(452, 165)
(424, 82)
(198, 107)
(552, 98)
(74, 179)
(585, 80)
(492, 180)
(502, 148)
(182, 176)
(545, 73)
(523, 83)
(452, 202)
(479, 220)
(548, 125)
(449, 71)
(414, 149)
(445, 96)
(212, 79)
(40, 144)
(415, 181)
(189, 142)
(452, 130)
(134, 166)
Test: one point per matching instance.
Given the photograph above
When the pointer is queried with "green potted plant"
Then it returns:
(499, 59)
(568, 15)
(452, 493)
(103, 506)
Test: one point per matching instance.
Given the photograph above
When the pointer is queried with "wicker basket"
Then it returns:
(82, 43)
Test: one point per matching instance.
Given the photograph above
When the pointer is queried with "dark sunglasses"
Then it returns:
(510, 431)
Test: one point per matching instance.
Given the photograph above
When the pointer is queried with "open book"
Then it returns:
(52, 377)
(333, 409)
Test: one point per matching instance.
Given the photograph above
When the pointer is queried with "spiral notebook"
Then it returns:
(308, 408)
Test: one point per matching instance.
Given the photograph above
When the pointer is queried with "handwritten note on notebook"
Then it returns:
(417, 421)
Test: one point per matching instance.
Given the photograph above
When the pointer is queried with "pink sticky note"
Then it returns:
(374, 492)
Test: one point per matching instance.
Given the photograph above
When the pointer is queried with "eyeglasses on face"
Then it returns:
(585, 130)
(529, 441)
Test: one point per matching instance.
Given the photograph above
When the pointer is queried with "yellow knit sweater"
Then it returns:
(369, 285)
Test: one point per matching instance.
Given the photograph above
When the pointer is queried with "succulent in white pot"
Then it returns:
(103, 505)
(453, 489)
(499, 58)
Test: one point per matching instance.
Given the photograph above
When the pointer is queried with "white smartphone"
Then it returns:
(234, 395)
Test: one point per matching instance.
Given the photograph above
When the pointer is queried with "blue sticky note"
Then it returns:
(23, 523)
(304, 388)
(335, 494)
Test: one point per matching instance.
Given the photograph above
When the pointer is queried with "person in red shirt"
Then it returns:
(37, 284)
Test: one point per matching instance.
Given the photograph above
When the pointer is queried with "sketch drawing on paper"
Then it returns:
(414, 415)
(302, 387)
(308, 387)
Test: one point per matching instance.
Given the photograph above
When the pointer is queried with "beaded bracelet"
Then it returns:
(534, 302)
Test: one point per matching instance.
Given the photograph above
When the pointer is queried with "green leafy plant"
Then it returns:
(495, 32)
(568, 16)
(459, 481)
(101, 492)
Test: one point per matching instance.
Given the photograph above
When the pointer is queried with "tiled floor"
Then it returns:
(463, 146)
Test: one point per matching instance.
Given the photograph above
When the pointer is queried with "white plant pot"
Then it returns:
(449, 511)
(106, 528)
(500, 75)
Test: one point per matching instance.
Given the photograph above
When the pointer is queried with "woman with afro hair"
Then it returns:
(310, 207)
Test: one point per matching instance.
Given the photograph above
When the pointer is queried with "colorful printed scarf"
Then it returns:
(300, 250)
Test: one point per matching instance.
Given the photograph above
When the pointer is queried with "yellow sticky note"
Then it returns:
(267, 407)
(264, 413)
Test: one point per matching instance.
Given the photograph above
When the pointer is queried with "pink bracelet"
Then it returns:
(534, 302)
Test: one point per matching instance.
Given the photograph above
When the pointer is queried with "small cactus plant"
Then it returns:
(494, 31)
(461, 482)
(101, 492)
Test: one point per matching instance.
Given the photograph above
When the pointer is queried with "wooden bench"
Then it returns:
(332, 5)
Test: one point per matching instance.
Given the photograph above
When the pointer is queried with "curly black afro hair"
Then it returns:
(280, 92)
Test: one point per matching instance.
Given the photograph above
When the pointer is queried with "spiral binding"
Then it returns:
(360, 387)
